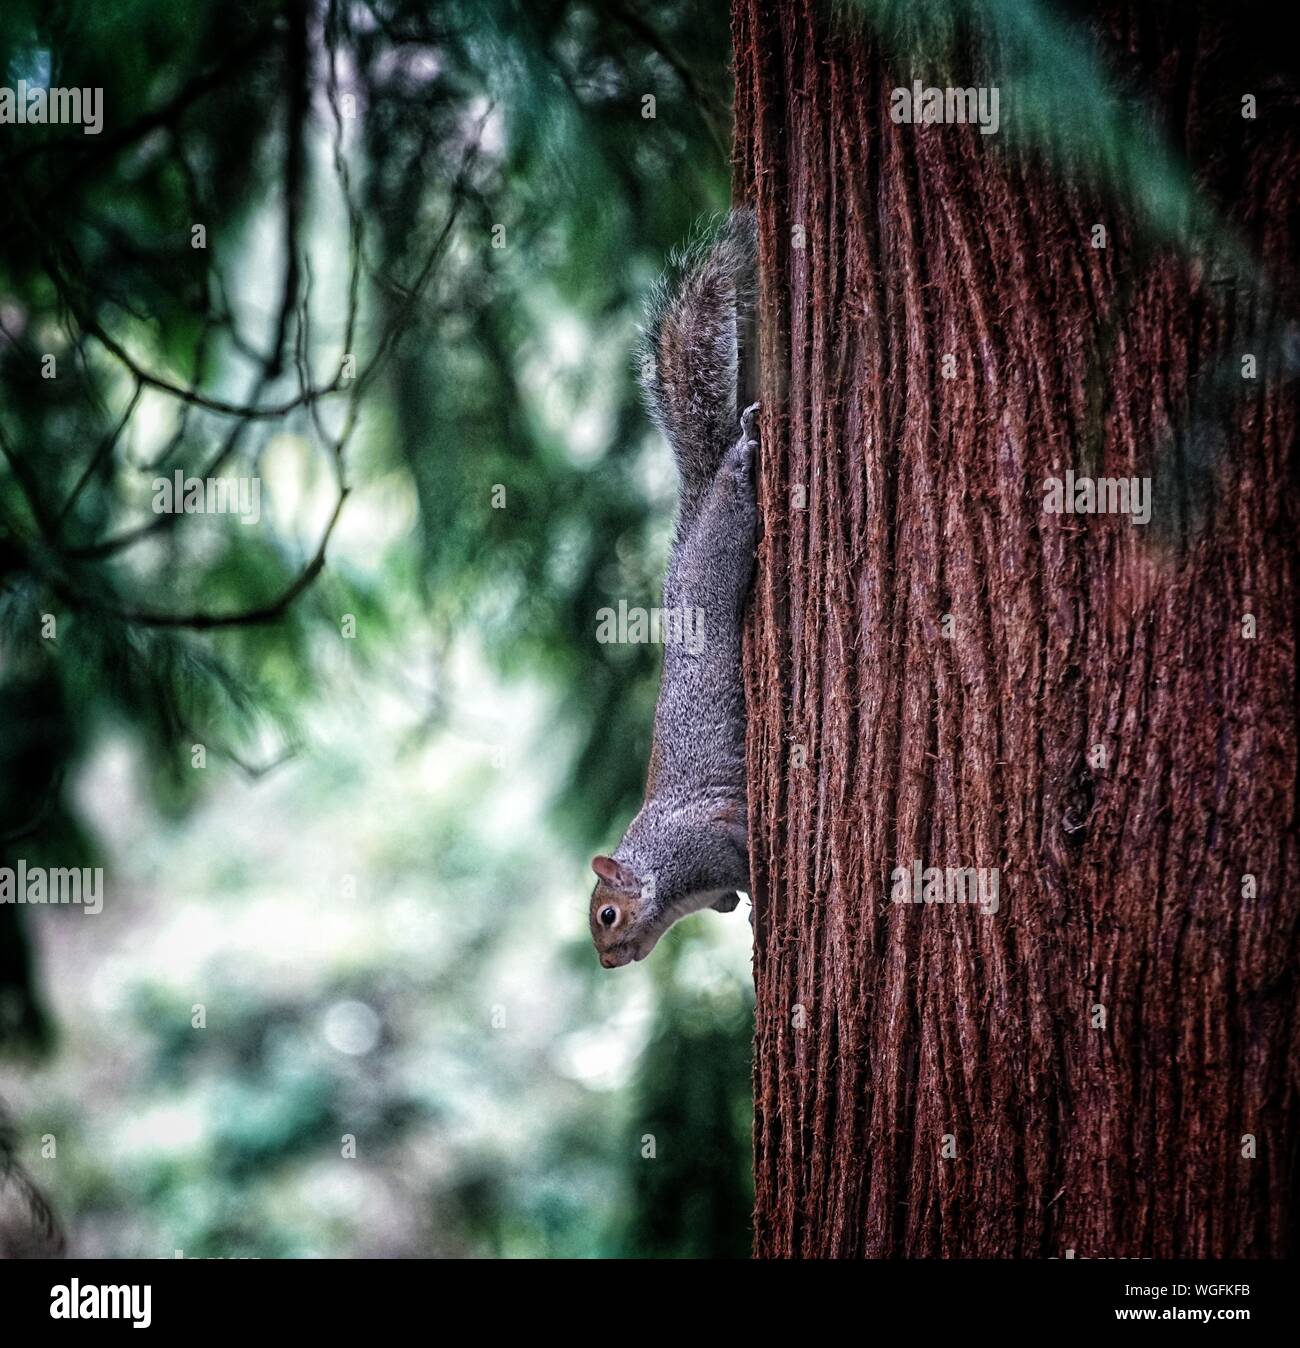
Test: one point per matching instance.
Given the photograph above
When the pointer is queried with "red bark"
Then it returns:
(884, 1028)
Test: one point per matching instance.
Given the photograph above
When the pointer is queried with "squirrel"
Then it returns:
(687, 848)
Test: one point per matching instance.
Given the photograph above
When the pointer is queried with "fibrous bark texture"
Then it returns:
(940, 673)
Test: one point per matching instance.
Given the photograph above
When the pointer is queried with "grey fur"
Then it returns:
(28, 1227)
(687, 848)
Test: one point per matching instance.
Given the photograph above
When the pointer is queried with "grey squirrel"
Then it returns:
(687, 848)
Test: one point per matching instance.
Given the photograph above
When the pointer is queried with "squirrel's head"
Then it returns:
(624, 916)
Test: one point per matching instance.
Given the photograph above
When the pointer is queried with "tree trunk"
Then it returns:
(943, 674)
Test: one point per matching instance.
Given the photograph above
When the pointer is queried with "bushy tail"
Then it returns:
(689, 350)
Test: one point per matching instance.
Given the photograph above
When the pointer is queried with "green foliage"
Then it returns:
(351, 168)
(694, 1089)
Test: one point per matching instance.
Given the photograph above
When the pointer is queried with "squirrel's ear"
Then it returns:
(613, 872)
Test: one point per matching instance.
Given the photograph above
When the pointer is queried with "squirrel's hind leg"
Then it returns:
(739, 460)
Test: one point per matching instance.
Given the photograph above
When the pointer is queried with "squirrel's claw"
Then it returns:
(749, 421)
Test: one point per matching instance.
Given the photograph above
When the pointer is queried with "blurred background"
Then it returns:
(341, 998)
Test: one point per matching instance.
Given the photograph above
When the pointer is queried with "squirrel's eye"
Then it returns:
(607, 916)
